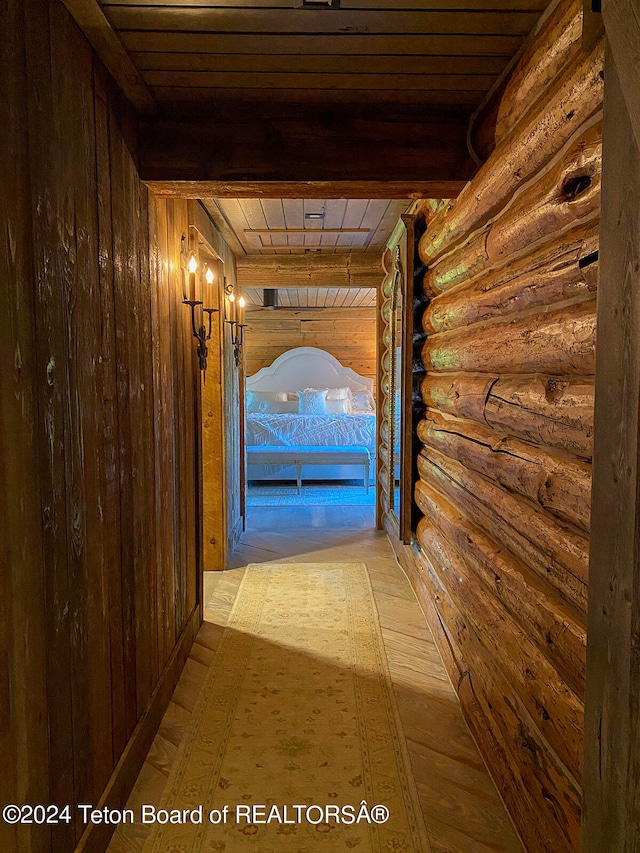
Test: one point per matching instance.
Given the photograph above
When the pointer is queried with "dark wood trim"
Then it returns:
(380, 348)
(406, 387)
(96, 837)
(91, 19)
(611, 820)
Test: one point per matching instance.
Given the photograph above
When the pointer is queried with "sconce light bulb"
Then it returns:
(241, 302)
(193, 264)
(209, 275)
(232, 297)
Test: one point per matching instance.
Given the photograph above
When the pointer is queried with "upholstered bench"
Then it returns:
(300, 455)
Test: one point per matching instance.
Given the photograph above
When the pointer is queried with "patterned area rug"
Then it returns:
(295, 743)
(311, 496)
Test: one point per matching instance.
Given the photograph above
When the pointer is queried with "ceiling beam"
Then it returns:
(422, 147)
(314, 270)
(207, 190)
(90, 18)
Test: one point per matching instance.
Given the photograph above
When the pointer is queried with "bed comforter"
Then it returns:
(309, 430)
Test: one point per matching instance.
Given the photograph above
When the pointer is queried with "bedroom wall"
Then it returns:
(98, 578)
(502, 547)
(349, 334)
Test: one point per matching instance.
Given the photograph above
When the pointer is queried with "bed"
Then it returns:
(281, 411)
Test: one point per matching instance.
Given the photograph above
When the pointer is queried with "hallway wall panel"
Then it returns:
(98, 431)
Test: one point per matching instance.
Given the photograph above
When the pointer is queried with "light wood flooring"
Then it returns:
(462, 810)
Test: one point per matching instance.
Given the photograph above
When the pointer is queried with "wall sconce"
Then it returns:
(201, 333)
(234, 316)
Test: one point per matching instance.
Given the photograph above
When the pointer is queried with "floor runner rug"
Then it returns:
(295, 744)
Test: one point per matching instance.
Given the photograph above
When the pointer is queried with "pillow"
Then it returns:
(339, 394)
(362, 401)
(312, 402)
(254, 398)
(278, 407)
(338, 407)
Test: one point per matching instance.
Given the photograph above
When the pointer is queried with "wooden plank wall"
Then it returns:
(505, 470)
(221, 405)
(99, 569)
(349, 334)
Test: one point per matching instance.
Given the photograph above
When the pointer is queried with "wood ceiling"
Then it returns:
(374, 92)
(315, 297)
(447, 51)
(299, 226)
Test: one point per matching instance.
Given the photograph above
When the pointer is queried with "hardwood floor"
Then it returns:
(462, 810)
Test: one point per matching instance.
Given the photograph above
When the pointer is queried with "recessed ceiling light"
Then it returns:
(311, 249)
(320, 4)
(314, 216)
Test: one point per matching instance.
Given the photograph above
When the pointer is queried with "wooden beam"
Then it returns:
(91, 19)
(612, 722)
(176, 188)
(296, 142)
(622, 24)
(314, 270)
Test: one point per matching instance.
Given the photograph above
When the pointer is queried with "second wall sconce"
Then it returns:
(234, 316)
(201, 333)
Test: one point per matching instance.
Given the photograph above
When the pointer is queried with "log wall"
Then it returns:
(98, 393)
(505, 468)
(349, 334)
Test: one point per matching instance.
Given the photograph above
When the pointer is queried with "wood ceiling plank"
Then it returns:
(318, 64)
(334, 210)
(273, 212)
(327, 81)
(311, 21)
(293, 212)
(223, 226)
(457, 5)
(354, 214)
(181, 95)
(254, 214)
(376, 209)
(329, 239)
(330, 297)
(353, 5)
(393, 212)
(340, 45)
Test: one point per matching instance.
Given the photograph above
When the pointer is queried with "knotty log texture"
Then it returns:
(548, 125)
(552, 550)
(557, 483)
(539, 66)
(530, 601)
(567, 192)
(531, 779)
(528, 776)
(548, 410)
(551, 275)
(506, 648)
(560, 342)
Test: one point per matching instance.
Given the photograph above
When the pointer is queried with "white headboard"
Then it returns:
(306, 367)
